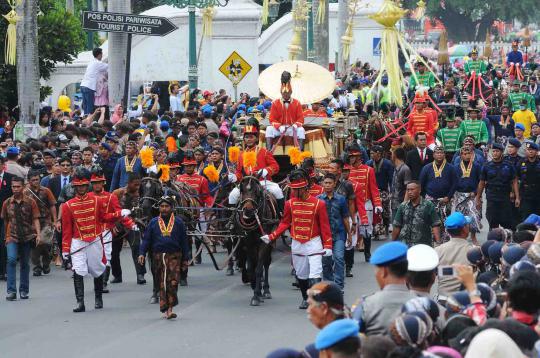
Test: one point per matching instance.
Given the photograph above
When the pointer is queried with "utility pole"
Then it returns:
(118, 44)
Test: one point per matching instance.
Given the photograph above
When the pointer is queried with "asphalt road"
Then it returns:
(215, 319)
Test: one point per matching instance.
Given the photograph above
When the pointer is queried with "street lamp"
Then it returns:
(273, 9)
(191, 6)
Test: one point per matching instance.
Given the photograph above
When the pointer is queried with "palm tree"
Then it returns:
(117, 54)
(27, 61)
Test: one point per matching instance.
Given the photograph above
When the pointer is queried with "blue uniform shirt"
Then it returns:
(154, 240)
(384, 175)
(515, 57)
(443, 186)
(120, 175)
(498, 177)
(338, 211)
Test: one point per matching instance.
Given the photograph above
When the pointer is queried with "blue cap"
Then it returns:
(260, 108)
(13, 150)
(285, 353)
(106, 146)
(513, 254)
(164, 125)
(389, 253)
(515, 142)
(250, 110)
(242, 107)
(267, 104)
(520, 126)
(498, 146)
(495, 252)
(531, 145)
(533, 219)
(206, 108)
(336, 332)
(456, 220)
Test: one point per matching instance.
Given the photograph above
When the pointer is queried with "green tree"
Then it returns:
(468, 20)
(60, 38)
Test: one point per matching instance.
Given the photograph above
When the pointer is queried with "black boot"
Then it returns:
(349, 261)
(78, 283)
(98, 290)
(106, 275)
(280, 206)
(183, 277)
(304, 286)
(367, 248)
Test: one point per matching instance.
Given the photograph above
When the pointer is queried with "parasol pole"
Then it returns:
(527, 42)
(442, 57)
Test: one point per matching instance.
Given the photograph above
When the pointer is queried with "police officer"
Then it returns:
(528, 173)
(511, 155)
(376, 311)
(499, 179)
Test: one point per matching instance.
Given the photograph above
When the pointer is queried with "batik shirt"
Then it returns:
(416, 222)
(19, 219)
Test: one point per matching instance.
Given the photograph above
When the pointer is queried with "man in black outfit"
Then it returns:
(5, 192)
(419, 156)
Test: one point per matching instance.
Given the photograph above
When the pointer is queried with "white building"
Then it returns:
(236, 27)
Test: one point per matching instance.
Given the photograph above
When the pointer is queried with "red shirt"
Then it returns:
(315, 189)
(200, 184)
(287, 116)
(265, 160)
(425, 121)
(83, 218)
(306, 219)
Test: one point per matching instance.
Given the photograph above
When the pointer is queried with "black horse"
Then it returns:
(257, 215)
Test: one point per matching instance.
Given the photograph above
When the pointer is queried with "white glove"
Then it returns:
(378, 210)
(134, 227)
(263, 173)
(265, 239)
(281, 129)
(232, 178)
(327, 252)
(125, 212)
(295, 126)
(65, 255)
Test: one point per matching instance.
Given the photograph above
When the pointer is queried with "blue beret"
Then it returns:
(284, 353)
(485, 247)
(521, 266)
(260, 108)
(498, 146)
(242, 107)
(250, 110)
(336, 332)
(533, 219)
(515, 142)
(106, 146)
(267, 104)
(520, 126)
(532, 145)
(13, 150)
(389, 253)
(475, 256)
(456, 220)
(164, 125)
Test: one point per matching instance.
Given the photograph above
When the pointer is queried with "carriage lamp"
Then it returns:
(339, 128)
(352, 122)
(273, 9)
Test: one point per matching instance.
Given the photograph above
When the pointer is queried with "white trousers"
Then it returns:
(107, 246)
(272, 132)
(307, 266)
(89, 260)
(365, 230)
(273, 188)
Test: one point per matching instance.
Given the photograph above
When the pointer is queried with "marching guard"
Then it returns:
(82, 242)
(307, 219)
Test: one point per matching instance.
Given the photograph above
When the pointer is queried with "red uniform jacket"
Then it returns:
(112, 205)
(315, 189)
(306, 219)
(426, 121)
(199, 183)
(367, 188)
(281, 116)
(83, 218)
(360, 205)
(265, 160)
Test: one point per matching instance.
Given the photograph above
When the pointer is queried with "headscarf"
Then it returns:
(117, 114)
(493, 343)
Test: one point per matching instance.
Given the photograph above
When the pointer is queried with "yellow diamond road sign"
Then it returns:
(235, 68)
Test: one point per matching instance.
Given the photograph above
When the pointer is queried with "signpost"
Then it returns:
(376, 46)
(235, 68)
(129, 24)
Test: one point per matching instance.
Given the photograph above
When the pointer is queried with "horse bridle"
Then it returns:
(258, 204)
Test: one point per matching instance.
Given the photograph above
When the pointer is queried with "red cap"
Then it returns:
(76, 181)
(354, 153)
(97, 178)
(299, 183)
(189, 161)
(207, 93)
(174, 165)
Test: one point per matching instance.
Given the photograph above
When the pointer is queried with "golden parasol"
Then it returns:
(527, 37)
(488, 51)
(310, 82)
